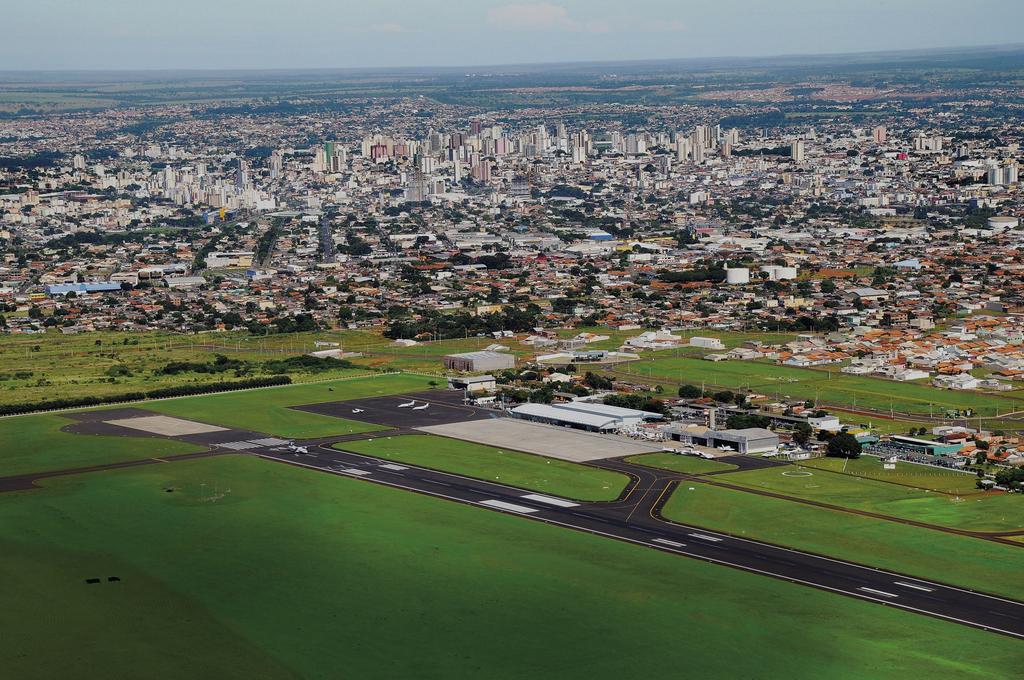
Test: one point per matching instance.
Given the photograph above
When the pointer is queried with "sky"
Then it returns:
(230, 34)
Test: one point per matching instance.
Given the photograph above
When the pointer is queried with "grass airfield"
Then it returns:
(249, 568)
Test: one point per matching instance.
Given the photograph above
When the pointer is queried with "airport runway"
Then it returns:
(634, 518)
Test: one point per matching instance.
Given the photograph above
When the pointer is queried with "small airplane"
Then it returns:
(420, 408)
(358, 410)
(407, 404)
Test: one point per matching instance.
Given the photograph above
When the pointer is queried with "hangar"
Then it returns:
(585, 416)
(746, 440)
(479, 361)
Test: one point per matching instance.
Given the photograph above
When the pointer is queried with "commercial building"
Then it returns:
(479, 361)
(585, 416)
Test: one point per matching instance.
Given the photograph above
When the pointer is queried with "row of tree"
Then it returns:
(161, 393)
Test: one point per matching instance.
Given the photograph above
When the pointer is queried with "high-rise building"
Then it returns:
(276, 164)
(796, 150)
(879, 134)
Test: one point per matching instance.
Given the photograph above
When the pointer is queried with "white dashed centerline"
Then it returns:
(355, 471)
(665, 541)
(915, 587)
(392, 466)
(877, 592)
(705, 537)
(511, 507)
(550, 501)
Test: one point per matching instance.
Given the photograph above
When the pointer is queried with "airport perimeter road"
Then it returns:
(634, 518)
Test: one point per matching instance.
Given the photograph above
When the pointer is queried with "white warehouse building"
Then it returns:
(585, 416)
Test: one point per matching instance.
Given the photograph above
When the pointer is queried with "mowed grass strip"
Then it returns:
(976, 512)
(522, 470)
(249, 568)
(689, 465)
(958, 560)
(837, 388)
(36, 444)
(267, 410)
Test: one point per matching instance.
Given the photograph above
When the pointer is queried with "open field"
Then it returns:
(36, 444)
(387, 584)
(34, 368)
(829, 388)
(977, 511)
(266, 410)
(690, 465)
(524, 470)
(921, 476)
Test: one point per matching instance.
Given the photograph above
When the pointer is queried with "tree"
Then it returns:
(725, 396)
(802, 433)
(689, 392)
(980, 457)
(843, 445)
(433, 384)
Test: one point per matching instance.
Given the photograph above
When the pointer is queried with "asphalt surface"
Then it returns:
(635, 518)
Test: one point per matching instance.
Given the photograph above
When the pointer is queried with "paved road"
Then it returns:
(635, 518)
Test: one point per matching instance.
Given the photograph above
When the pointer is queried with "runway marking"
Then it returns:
(549, 500)
(706, 537)
(439, 483)
(911, 585)
(714, 560)
(512, 507)
(392, 466)
(665, 541)
(355, 471)
(877, 592)
(161, 460)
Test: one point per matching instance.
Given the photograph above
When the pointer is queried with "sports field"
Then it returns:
(36, 444)
(976, 512)
(690, 465)
(911, 474)
(253, 569)
(958, 560)
(266, 410)
(524, 470)
(837, 388)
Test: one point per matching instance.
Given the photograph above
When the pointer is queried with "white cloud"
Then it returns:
(389, 27)
(542, 16)
(662, 25)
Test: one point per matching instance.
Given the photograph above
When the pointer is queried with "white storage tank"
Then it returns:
(737, 276)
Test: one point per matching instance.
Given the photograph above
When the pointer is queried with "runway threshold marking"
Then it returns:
(549, 500)
(915, 587)
(714, 539)
(392, 466)
(512, 507)
(665, 541)
(355, 471)
(877, 592)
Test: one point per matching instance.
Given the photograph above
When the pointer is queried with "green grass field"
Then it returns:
(690, 465)
(921, 476)
(255, 569)
(36, 444)
(981, 512)
(39, 366)
(522, 470)
(959, 560)
(805, 383)
(266, 410)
